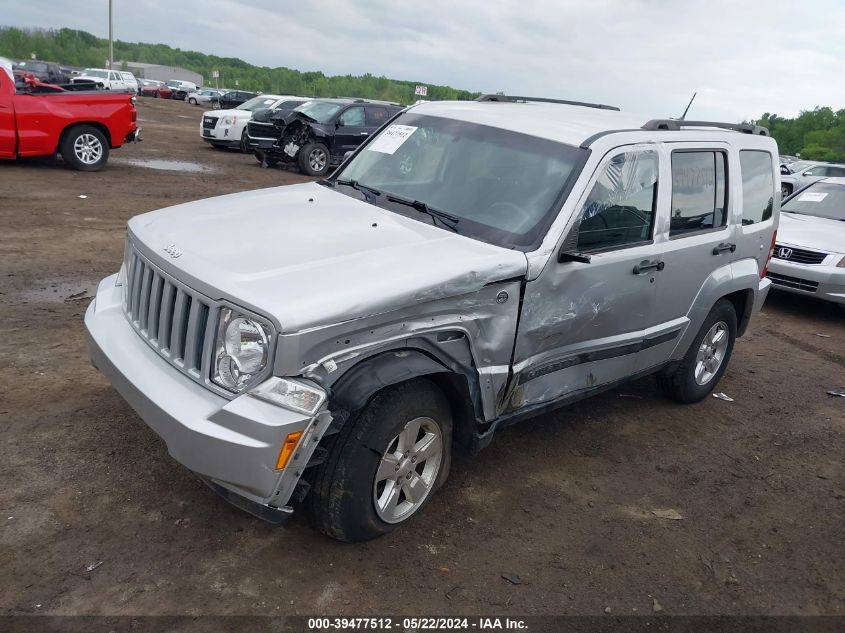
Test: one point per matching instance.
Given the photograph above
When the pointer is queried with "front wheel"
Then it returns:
(785, 190)
(693, 378)
(314, 159)
(385, 464)
(192, 101)
(85, 148)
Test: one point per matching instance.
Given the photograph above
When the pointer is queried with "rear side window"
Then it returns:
(758, 186)
(699, 191)
(619, 211)
(838, 172)
(376, 116)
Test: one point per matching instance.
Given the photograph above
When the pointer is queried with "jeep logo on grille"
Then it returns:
(171, 250)
(784, 253)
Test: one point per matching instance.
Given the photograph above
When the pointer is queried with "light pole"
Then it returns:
(111, 37)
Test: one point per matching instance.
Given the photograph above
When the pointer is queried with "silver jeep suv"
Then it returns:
(471, 264)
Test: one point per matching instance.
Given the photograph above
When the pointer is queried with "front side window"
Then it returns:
(818, 170)
(620, 208)
(758, 186)
(699, 192)
(501, 186)
(353, 117)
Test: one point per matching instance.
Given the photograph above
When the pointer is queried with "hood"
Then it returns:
(306, 255)
(808, 231)
(238, 114)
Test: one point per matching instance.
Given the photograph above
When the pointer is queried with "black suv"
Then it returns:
(317, 134)
(232, 99)
(48, 72)
(261, 131)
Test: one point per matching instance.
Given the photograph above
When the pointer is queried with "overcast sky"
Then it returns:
(646, 56)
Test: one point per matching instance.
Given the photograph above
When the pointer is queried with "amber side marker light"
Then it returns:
(288, 447)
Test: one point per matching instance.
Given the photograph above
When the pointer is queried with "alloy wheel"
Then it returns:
(711, 352)
(408, 470)
(88, 149)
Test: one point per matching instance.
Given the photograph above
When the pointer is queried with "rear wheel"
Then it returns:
(192, 101)
(693, 378)
(314, 159)
(85, 148)
(385, 464)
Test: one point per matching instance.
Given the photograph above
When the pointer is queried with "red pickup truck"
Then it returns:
(42, 120)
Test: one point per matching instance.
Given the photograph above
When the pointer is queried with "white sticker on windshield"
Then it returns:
(812, 197)
(391, 139)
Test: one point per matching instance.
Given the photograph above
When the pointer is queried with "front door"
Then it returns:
(351, 131)
(583, 322)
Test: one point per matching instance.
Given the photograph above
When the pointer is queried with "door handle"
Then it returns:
(646, 265)
(724, 246)
(365, 133)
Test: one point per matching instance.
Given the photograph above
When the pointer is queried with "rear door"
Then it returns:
(351, 130)
(583, 322)
(698, 241)
(759, 201)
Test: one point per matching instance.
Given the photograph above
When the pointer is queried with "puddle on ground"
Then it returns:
(54, 291)
(164, 165)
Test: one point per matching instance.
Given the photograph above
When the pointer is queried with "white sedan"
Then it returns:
(809, 256)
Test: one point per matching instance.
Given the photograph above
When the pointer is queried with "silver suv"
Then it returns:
(470, 265)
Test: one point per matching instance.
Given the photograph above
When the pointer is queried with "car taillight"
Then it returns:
(769, 257)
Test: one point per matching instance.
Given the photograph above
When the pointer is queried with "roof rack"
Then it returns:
(675, 124)
(515, 99)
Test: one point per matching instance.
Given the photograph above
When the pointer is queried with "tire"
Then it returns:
(785, 190)
(192, 101)
(244, 145)
(84, 148)
(309, 161)
(157, 95)
(346, 488)
(693, 378)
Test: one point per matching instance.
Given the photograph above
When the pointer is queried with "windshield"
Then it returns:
(821, 199)
(257, 103)
(102, 74)
(320, 111)
(502, 187)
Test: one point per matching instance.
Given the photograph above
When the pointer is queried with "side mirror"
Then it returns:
(572, 256)
(806, 173)
(338, 124)
(347, 155)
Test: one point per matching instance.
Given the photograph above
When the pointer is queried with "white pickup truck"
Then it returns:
(108, 79)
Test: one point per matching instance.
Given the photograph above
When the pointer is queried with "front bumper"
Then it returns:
(232, 444)
(223, 135)
(820, 281)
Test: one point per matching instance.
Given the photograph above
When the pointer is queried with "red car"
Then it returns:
(152, 88)
(43, 119)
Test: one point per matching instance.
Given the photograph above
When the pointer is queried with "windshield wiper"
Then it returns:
(446, 219)
(370, 193)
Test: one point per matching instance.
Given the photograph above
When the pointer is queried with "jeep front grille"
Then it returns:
(176, 321)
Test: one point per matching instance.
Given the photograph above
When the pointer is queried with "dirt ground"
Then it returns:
(570, 502)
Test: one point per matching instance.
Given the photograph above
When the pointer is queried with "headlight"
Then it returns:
(228, 120)
(241, 350)
(291, 394)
